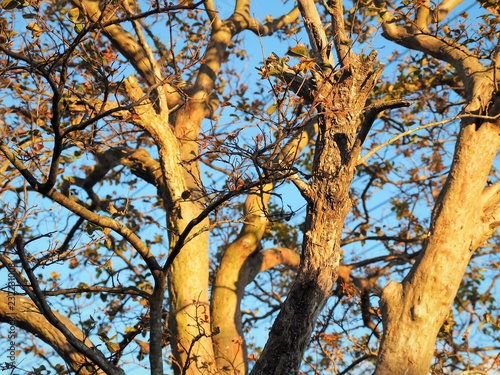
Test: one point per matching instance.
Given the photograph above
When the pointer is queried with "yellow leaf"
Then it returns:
(79, 27)
(271, 109)
(73, 14)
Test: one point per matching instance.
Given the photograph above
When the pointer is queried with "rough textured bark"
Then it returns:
(340, 108)
(242, 261)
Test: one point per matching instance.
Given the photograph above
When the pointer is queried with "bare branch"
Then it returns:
(18, 310)
(270, 258)
(491, 213)
(442, 10)
(422, 18)
(371, 114)
(138, 54)
(90, 352)
(321, 48)
(373, 151)
(73, 206)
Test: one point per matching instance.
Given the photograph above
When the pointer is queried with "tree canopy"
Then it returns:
(198, 187)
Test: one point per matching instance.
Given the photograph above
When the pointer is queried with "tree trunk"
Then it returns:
(328, 204)
(188, 276)
(413, 311)
(189, 319)
(229, 287)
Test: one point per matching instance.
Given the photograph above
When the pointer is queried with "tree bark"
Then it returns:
(413, 311)
(22, 313)
(229, 287)
(340, 111)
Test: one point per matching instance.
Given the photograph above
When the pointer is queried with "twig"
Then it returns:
(373, 151)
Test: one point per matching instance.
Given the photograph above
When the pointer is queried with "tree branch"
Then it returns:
(371, 113)
(139, 55)
(90, 352)
(271, 27)
(321, 48)
(373, 151)
(491, 213)
(270, 258)
(475, 77)
(73, 206)
(342, 42)
(23, 313)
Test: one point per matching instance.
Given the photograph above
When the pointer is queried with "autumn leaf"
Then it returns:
(73, 14)
(300, 50)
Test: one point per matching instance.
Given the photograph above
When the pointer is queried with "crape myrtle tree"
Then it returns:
(151, 177)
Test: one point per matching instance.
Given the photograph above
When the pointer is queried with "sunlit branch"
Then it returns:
(442, 48)
(270, 258)
(343, 44)
(373, 151)
(130, 48)
(181, 240)
(142, 15)
(443, 9)
(321, 48)
(95, 356)
(268, 28)
(422, 18)
(213, 14)
(29, 318)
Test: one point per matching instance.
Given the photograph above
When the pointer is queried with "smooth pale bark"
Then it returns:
(465, 213)
(414, 310)
(188, 326)
(230, 281)
(22, 313)
(188, 277)
(189, 312)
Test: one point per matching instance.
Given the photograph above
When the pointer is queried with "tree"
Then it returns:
(145, 186)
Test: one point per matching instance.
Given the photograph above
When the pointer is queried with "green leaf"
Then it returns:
(79, 27)
(73, 14)
(300, 50)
